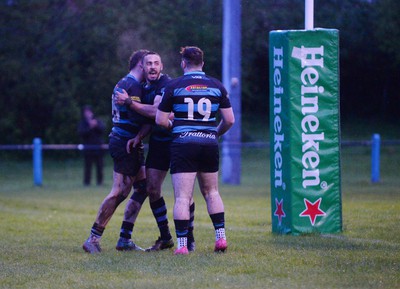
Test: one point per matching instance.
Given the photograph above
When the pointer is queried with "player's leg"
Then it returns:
(120, 190)
(183, 184)
(126, 167)
(157, 165)
(208, 183)
(132, 209)
(133, 205)
(155, 179)
(184, 167)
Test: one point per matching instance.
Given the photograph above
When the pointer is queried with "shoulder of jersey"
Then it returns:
(165, 77)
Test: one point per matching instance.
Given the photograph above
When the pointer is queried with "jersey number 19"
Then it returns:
(203, 107)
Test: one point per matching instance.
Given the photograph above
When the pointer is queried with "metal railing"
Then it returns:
(37, 147)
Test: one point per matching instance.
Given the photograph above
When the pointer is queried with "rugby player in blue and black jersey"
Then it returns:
(128, 167)
(158, 157)
(195, 99)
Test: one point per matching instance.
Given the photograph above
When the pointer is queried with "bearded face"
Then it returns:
(152, 67)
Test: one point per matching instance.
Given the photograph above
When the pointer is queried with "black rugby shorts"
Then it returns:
(124, 163)
(158, 156)
(191, 157)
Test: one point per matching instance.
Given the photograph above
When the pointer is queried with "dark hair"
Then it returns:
(150, 53)
(192, 55)
(136, 57)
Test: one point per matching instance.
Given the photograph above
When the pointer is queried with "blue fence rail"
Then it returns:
(37, 147)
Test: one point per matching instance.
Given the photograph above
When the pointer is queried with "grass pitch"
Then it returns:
(42, 230)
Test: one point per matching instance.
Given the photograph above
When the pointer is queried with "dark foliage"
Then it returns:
(57, 56)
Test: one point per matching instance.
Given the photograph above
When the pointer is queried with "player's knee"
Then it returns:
(138, 197)
(139, 191)
(154, 192)
(132, 209)
(140, 186)
(183, 201)
(120, 198)
(210, 195)
(154, 196)
(117, 196)
(121, 190)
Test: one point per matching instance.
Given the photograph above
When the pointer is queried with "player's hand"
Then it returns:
(132, 143)
(120, 96)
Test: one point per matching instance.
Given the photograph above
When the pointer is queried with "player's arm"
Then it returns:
(133, 142)
(227, 120)
(162, 119)
(147, 110)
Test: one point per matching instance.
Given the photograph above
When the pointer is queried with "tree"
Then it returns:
(59, 55)
(386, 30)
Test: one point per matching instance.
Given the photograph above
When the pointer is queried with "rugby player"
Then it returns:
(128, 167)
(195, 99)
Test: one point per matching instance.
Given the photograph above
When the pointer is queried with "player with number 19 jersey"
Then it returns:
(195, 99)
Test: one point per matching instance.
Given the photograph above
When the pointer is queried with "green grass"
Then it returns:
(42, 230)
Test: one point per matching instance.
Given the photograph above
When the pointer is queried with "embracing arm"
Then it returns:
(147, 110)
(162, 119)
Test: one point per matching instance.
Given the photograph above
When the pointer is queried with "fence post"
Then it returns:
(37, 161)
(375, 158)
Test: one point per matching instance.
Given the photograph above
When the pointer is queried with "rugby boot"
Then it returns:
(220, 245)
(127, 245)
(161, 245)
(182, 251)
(92, 245)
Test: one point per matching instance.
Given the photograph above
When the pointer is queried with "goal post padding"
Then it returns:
(305, 131)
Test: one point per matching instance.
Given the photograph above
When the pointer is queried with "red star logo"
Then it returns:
(312, 210)
(279, 210)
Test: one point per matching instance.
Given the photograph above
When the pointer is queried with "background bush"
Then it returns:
(59, 55)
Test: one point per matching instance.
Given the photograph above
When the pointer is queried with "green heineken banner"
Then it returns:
(305, 131)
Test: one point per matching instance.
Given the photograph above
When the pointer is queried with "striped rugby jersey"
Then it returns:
(195, 99)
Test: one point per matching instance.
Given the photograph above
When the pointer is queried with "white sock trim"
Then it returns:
(220, 233)
(182, 242)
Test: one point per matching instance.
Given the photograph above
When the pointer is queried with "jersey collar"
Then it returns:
(195, 72)
(132, 76)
